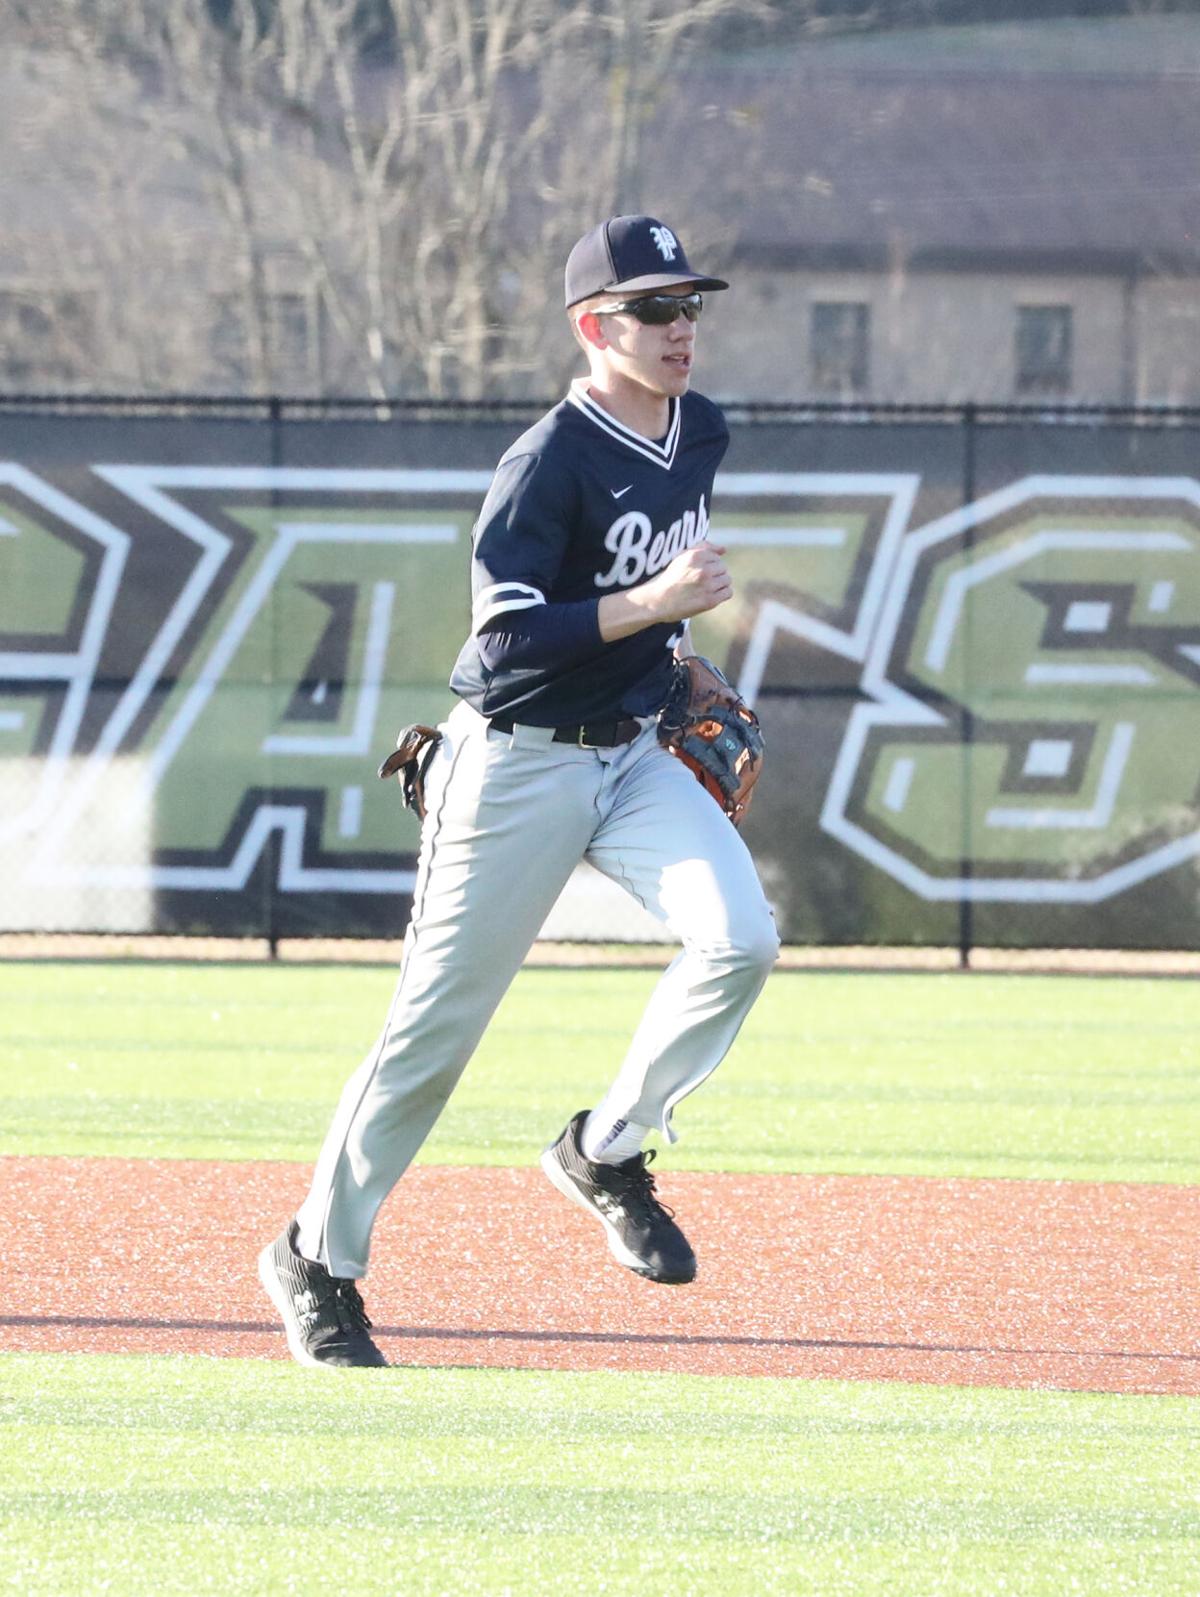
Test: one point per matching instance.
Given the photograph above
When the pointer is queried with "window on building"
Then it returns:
(47, 339)
(1169, 355)
(1043, 355)
(839, 348)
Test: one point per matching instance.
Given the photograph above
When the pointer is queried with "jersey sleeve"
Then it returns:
(544, 635)
(519, 538)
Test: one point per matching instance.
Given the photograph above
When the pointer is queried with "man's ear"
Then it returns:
(591, 330)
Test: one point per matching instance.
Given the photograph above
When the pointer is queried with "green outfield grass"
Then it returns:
(163, 1476)
(908, 1074)
(178, 1475)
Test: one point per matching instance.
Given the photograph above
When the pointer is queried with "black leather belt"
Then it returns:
(591, 735)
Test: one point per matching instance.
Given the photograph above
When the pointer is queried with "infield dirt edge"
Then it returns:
(1036, 1284)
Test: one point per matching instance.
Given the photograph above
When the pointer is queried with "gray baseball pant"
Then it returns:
(510, 815)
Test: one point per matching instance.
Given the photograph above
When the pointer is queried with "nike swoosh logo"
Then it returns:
(619, 493)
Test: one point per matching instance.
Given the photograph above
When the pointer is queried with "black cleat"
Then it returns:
(642, 1234)
(322, 1314)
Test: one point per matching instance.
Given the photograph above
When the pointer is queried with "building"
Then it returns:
(991, 214)
(1009, 218)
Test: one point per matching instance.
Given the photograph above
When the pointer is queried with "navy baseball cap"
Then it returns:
(630, 253)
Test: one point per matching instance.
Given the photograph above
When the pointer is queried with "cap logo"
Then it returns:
(665, 241)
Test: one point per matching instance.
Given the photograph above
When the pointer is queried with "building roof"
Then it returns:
(987, 147)
(826, 158)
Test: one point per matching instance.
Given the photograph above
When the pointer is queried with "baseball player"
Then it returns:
(590, 553)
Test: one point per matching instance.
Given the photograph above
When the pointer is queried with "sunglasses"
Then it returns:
(657, 310)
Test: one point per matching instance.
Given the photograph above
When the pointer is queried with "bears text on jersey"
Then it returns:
(641, 552)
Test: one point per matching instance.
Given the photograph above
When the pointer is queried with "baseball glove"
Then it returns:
(409, 761)
(709, 726)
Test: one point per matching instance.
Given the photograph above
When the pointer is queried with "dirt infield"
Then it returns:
(1075, 1285)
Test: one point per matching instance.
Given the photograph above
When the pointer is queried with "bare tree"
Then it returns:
(448, 182)
(428, 189)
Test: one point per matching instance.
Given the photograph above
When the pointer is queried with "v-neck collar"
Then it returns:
(662, 454)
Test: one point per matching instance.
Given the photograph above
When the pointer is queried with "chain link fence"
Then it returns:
(972, 634)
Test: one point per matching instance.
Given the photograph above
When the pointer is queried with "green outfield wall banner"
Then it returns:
(975, 651)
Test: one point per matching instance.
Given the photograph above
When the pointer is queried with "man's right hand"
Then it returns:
(695, 581)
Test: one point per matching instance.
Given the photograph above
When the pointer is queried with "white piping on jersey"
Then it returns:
(661, 454)
(500, 597)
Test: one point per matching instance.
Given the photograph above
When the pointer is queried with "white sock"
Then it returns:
(607, 1141)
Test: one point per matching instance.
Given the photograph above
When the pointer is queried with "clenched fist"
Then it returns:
(695, 581)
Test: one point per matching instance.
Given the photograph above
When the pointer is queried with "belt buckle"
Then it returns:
(580, 743)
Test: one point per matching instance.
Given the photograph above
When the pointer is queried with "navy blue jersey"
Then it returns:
(581, 506)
